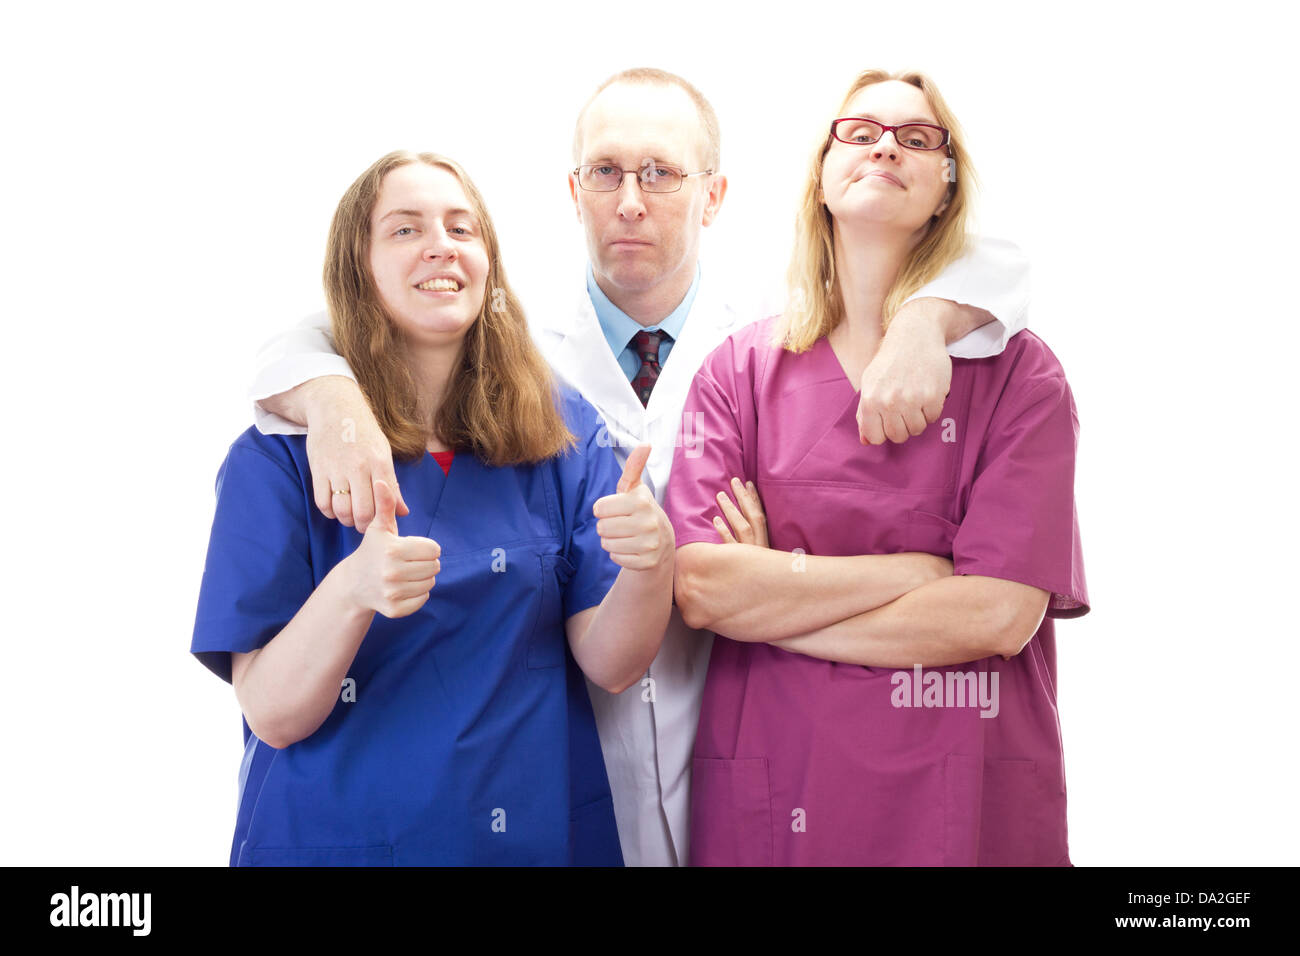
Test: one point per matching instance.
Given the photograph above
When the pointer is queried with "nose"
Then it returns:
(631, 203)
(879, 149)
(440, 246)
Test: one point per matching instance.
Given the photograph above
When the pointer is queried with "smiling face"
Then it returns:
(639, 241)
(883, 183)
(427, 254)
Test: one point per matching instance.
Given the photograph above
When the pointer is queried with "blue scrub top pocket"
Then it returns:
(546, 644)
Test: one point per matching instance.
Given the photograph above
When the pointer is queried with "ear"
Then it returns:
(573, 191)
(713, 202)
(947, 200)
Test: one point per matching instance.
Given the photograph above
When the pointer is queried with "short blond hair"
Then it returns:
(710, 133)
(814, 305)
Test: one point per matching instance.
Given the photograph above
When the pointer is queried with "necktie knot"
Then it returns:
(647, 344)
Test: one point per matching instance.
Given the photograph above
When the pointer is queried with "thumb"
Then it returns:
(633, 467)
(385, 507)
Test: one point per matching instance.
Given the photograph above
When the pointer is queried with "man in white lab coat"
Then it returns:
(646, 182)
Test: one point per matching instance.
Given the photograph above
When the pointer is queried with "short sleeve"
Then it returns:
(1021, 522)
(589, 472)
(705, 466)
(258, 571)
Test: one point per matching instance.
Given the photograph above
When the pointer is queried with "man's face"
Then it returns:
(638, 240)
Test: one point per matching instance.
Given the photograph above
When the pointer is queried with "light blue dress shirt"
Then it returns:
(619, 327)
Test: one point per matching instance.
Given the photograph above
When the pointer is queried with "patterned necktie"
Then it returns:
(647, 348)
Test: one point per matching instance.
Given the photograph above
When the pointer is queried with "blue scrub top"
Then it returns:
(471, 738)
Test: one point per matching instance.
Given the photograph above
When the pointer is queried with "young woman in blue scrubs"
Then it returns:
(412, 695)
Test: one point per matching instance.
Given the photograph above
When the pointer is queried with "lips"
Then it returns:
(629, 245)
(888, 177)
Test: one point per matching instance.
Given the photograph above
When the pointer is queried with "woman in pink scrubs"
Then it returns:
(882, 689)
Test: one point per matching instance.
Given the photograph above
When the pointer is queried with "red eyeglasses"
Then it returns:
(857, 131)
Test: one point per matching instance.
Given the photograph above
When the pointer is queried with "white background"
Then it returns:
(169, 172)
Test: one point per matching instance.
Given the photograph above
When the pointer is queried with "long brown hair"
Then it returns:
(500, 400)
(814, 304)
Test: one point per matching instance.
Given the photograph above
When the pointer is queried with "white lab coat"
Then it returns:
(647, 733)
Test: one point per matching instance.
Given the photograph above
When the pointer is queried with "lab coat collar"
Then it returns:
(577, 350)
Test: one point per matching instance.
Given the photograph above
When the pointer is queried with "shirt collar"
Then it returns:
(619, 327)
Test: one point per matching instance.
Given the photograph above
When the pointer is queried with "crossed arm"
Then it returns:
(893, 610)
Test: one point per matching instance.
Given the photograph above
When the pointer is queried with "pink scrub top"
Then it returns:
(802, 761)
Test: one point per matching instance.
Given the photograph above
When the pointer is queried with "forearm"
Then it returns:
(948, 621)
(624, 636)
(748, 593)
(289, 687)
(328, 397)
(942, 320)
(288, 359)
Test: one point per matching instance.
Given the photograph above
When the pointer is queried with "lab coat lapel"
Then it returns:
(575, 346)
(585, 360)
(710, 321)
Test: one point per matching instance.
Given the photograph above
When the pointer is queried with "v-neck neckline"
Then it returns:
(835, 370)
(435, 484)
(838, 366)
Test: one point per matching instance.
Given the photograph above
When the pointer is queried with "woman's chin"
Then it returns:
(438, 333)
(882, 217)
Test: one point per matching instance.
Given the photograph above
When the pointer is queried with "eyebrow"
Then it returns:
(609, 161)
(417, 214)
(906, 122)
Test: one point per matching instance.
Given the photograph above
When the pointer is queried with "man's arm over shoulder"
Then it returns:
(285, 361)
(302, 386)
(970, 310)
(992, 276)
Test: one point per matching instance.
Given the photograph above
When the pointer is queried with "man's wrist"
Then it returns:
(928, 318)
(953, 320)
(969, 318)
(328, 398)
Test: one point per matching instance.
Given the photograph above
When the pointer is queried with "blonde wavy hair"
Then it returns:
(814, 304)
(501, 400)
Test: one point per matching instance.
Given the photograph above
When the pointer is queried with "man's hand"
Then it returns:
(746, 524)
(904, 386)
(632, 527)
(347, 451)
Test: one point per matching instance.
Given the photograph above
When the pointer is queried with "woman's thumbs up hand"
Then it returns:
(632, 527)
(390, 574)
